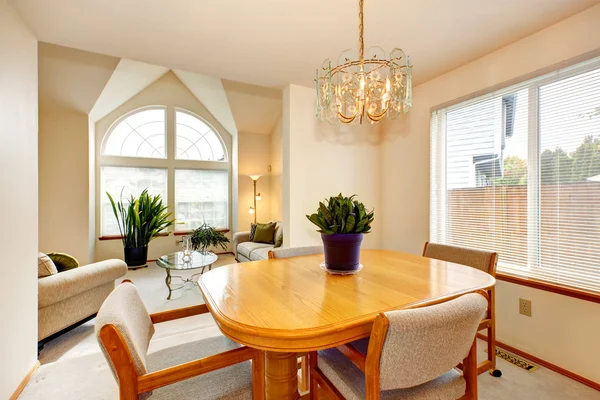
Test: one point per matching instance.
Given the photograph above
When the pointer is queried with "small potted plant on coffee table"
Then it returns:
(206, 236)
(342, 222)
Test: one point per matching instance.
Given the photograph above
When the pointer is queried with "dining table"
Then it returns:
(292, 305)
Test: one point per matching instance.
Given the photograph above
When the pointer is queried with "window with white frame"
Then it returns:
(192, 177)
(517, 171)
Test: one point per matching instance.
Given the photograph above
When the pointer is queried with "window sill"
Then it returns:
(180, 233)
(119, 237)
(581, 294)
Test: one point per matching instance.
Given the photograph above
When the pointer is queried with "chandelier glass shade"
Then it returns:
(367, 85)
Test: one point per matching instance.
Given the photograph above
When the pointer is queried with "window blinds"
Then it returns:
(517, 171)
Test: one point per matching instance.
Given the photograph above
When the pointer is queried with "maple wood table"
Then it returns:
(285, 306)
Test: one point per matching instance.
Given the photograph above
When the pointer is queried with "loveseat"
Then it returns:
(71, 296)
(245, 250)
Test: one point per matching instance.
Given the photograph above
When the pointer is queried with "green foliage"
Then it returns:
(342, 215)
(556, 166)
(515, 172)
(206, 236)
(142, 219)
(586, 159)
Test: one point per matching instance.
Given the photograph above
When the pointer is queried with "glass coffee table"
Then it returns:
(176, 262)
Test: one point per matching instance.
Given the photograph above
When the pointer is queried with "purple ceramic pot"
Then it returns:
(342, 251)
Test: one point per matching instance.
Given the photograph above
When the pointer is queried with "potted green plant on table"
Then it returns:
(140, 220)
(342, 222)
(206, 236)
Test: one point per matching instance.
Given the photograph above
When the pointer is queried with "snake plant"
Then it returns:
(142, 219)
(342, 215)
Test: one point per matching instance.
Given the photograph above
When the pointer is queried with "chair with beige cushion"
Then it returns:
(411, 354)
(485, 261)
(303, 380)
(212, 368)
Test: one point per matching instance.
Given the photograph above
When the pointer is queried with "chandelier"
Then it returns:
(372, 86)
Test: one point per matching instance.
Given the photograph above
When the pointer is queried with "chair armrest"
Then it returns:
(178, 313)
(61, 286)
(240, 237)
(178, 373)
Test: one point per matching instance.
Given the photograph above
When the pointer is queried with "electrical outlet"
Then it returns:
(525, 307)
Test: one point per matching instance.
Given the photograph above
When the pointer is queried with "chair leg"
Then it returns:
(470, 372)
(258, 376)
(304, 381)
(314, 386)
(491, 334)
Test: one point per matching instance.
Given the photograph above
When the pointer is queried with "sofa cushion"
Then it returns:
(265, 233)
(252, 232)
(63, 261)
(279, 234)
(262, 253)
(247, 249)
(46, 266)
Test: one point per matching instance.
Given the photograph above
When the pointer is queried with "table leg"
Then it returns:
(168, 282)
(281, 376)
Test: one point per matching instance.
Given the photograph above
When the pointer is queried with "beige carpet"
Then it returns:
(73, 367)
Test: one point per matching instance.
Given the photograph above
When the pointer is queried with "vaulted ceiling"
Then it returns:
(277, 42)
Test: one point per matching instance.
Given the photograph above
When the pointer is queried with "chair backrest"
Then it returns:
(424, 343)
(125, 309)
(295, 251)
(483, 260)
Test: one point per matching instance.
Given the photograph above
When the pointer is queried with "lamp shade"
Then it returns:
(254, 177)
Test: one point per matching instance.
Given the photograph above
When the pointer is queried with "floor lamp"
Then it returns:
(252, 209)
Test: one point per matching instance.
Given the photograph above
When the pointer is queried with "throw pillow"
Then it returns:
(252, 232)
(45, 266)
(265, 233)
(279, 241)
(63, 261)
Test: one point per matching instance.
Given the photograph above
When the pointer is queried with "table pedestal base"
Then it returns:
(281, 376)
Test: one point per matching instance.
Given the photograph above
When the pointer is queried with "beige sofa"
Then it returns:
(69, 297)
(245, 250)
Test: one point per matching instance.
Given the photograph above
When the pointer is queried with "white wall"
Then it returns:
(276, 171)
(254, 157)
(19, 199)
(70, 81)
(321, 161)
(563, 330)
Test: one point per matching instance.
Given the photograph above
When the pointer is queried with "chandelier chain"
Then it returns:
(361, 28)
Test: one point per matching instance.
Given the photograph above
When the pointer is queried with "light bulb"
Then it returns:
(251, 210)
(258, 197)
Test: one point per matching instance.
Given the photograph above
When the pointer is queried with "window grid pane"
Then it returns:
(195, 140)
(202, 196)
(128, 181)
(141, 134)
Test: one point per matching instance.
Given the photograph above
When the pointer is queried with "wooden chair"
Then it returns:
(124, 329)
(304, 375)
(485, 261)
(411, 354)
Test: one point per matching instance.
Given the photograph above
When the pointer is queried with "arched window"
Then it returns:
(193, 178)
(141, 134)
